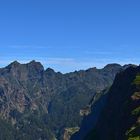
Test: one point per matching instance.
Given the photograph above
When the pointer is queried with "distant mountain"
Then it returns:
(43, 104)
(120, 115)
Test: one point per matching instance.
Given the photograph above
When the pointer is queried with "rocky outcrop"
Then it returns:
(68, 132)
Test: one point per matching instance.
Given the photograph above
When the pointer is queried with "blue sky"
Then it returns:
(69, 35)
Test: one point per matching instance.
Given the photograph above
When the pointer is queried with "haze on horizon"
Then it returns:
(70, 35)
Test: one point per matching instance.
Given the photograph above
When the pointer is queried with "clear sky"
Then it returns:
(69, 35)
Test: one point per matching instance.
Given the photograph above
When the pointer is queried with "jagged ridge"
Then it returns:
(40, 103)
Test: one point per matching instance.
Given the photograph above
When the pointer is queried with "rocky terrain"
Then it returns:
(42, 104)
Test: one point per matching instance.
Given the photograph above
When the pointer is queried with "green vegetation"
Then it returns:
(30, 127)
(136, 111)
(7, 131)
(122, 111)
(136, 96)
(135, 138)
(134, 133)
(137, 80)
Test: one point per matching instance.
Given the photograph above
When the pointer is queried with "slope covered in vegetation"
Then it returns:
(120, 118)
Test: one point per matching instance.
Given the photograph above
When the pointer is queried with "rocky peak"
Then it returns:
(112, 66)
(129, 65)
(94, 69)
(35, 65)
(14, 64)
(49, 70)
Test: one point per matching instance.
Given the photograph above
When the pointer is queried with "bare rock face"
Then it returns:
(20, 87)
(68, 132)
(85, 111)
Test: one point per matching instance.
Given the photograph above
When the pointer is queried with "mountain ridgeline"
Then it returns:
(38, 104)
(119, 117)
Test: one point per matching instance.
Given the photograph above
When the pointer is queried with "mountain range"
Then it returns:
(39, 104)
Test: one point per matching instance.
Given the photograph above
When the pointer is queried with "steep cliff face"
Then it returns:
(90, 119)
(119, 119)
(41, 104)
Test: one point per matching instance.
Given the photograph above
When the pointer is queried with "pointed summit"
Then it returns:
(13, 64)
(33, 62)
(35, 65)
(50, 70)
